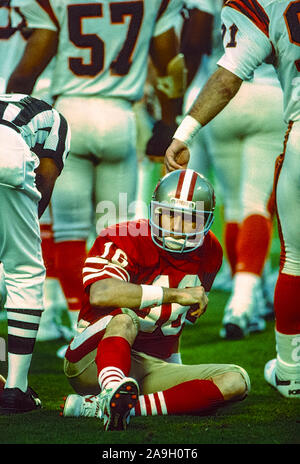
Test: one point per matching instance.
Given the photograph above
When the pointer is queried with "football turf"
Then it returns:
(263, 418)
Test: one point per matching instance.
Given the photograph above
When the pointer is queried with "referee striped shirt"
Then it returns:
(43, 128)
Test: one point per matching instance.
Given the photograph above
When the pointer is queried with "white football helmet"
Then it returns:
(185, 201)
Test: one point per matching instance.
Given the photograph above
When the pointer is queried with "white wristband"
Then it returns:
(187, 130)
(151, 296)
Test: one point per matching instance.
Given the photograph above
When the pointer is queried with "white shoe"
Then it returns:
(259, 314)
(116, 403)
(242, 318)
(238, 327)
(51, 327)
(48, 332)
(287, 388)
(235, 325)
(264, 307)
(256, 324)
(81, 406)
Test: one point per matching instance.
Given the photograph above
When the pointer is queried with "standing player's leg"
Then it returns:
(256, 139)
(51, 326)
(284, 371)
(72, 219)
(116, 174)
(72, 199)
(24, 277)
(253, 241)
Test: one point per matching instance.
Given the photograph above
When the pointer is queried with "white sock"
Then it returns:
(109, 376)
(244, 285)
(288, 356)
(18, 367)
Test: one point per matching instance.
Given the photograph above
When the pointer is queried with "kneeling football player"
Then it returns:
(143, 280)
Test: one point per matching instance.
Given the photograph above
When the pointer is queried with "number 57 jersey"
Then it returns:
(103, 45)
(127, 252)
(267, 29)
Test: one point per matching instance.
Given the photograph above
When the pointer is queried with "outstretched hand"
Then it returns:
(177, 156)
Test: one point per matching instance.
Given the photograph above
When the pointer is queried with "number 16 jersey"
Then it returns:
(128, 253)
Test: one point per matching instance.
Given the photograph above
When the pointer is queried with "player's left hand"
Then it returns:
(196, 311)
(159, 141)
(177, 156)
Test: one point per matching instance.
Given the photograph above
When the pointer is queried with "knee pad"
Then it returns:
(245, 376)
(133, 316)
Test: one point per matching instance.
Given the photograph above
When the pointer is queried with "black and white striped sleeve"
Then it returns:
(57, 143)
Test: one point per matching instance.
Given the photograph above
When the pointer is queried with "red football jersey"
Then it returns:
(126, 251)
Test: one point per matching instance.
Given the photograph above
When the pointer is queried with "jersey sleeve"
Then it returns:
(168, 16)
(250, 46)
(106, 260)
(57, 144)
(39, 14)
(214, 258)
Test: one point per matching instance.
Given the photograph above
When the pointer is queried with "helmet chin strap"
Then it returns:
(180, 243)
(174, 244)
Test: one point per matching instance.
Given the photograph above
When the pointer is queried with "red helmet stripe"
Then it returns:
(186, 185)
(180, 184)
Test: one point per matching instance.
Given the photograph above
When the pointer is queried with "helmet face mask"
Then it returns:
(181, 211)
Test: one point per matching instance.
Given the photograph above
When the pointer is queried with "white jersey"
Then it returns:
(103, 46)
(266, 29)
(265, 74)
(12, 42)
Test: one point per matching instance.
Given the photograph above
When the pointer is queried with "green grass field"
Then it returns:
(263, 418)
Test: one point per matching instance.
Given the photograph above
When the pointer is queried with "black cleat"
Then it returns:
(233, 332)
(115, 403)
(14, 401)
